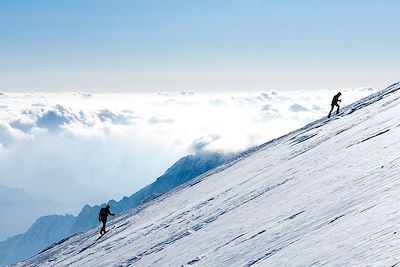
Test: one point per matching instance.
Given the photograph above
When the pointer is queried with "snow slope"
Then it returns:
(326, 194)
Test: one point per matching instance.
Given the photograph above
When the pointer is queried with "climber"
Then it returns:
(104, 212)
(334, 103)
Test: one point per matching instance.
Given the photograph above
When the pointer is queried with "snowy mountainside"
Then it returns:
(50, 229)
(326, 194)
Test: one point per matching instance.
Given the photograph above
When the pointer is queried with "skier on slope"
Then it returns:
(104, 212)
(334, 103)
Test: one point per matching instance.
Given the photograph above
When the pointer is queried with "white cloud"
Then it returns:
(155, 120)
(124, 117)
(297, 108)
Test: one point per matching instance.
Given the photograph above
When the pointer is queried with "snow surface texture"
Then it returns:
(326, 194)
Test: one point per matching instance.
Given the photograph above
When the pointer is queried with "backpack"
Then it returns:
(103, 213)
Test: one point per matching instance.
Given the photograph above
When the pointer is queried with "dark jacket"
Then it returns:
(104, 212)
(336, 99)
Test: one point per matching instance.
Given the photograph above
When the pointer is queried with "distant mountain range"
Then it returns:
(50, 229)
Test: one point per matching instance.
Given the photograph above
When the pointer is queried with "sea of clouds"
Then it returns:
(63, 150)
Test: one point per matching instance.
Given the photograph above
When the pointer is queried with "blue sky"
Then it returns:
(113, 46)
